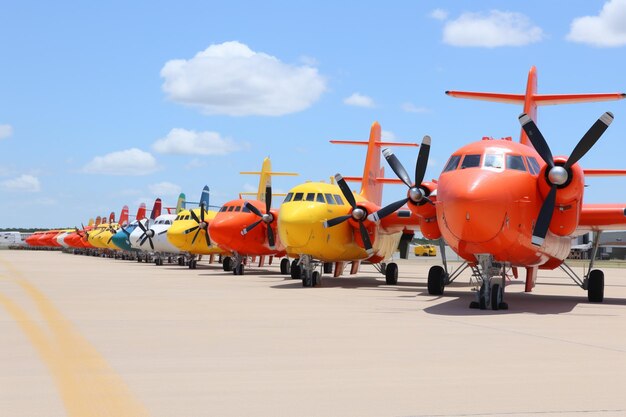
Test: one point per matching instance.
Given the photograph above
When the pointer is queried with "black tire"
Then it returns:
(193, 264)
(436, 280)
(328, 267)
(474, 304)
(595, 286)
(295, 270)
(316, 279)
(285, 266)
(306, 279)
(227, 264)
(495, 296)
(391, 274)
(241, 269)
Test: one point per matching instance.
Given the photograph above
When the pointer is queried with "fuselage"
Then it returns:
(121, 239)
(180, 235)
(488, 200)
(301, 226)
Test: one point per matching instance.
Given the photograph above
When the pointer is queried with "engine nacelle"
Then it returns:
(569, 198)
(427, 212)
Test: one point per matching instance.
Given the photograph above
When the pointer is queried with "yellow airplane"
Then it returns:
(322, 223)
(190, 231)
(102, 236)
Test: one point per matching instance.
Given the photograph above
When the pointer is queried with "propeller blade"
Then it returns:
(195, 236)
(145, 237)
(270, 237)
(250, 227)
(422, 160)
(141, 226)
(536, 138)
(336, 220)
(367, 243)
(397, 167)
(346, 191)
(194, 217)
(208, 238)
(110, 239)
(202, 212)
(387, 210)
(163, 232)
(191, 229)
(589, 139)
(151, 244)
(125, 231)
(544, 218)
(253, 209)
(268, 198)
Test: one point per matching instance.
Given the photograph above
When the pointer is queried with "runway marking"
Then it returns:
(87, 384)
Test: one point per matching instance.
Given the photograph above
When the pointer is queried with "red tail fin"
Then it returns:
(112, 217)
(156, 209)
(98, 220)
(141, 212)
(373, 174)
(531, 99)
(123, 216)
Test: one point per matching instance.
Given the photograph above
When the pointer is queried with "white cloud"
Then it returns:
(189, 142)
(5, 131)
(195, 163)
(605, 30)
(232, 79)
(387, 135)
(491, 30)
(129, 162)
(439, 14)
(27, 183)
(359, 100)
(165, 189)
(412, 108)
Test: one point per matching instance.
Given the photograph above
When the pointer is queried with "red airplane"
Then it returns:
(502, 205)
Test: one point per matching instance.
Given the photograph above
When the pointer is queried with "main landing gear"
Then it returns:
(237, 264)
(593, 282)
(491, 277)
(390, 271)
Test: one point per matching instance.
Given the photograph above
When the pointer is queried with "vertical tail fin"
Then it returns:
(98, 220)
(204, 197)
(156, 209)
(91, 222)
(180, 204)
(112, 217)
(265, 177)
(531, 99)
(141, 212)
(123, 216)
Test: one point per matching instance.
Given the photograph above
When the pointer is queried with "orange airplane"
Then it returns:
(502, 205)
(248, 227)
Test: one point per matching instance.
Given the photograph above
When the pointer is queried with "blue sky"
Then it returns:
(110, 103)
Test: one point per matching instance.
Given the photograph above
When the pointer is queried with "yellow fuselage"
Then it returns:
(178, 236)
(301, 226)
(100, 237)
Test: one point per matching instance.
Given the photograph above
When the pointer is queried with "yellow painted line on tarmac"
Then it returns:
(87, 384)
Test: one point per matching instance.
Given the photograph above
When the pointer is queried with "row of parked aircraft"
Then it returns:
(500, 205)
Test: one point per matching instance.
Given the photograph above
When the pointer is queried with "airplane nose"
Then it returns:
(473, 209)
(296, 224)
(224, 230)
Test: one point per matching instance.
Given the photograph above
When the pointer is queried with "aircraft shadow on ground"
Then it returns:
(348, 282)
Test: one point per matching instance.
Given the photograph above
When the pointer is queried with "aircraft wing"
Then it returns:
(597, 217)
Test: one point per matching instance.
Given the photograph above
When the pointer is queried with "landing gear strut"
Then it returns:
(307, 267)
(492, 278)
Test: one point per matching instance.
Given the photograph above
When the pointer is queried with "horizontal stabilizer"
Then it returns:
(604, 172)
(539, 99)
(290, 174)
(381, 180)
(377, 143)
(497, 97)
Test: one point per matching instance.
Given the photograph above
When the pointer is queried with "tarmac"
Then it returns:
(85, 336)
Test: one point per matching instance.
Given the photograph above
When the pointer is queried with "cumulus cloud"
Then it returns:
(165, 189)
(607, 29)
(359, 100)
(189, 142)
(439, 14)
(26, 183)
(232, 79)
(491, 30)
(412, 108)
(129, 162)
(5, 131)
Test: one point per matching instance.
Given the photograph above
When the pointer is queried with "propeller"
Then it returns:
(416, 194)
(202, 226)
(147, 234)
(266, 217)
(358, 213)
(558, 176)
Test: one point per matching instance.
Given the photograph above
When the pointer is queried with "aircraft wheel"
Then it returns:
(316, 279)
(227, 264)
(240, 269)
(295, 270)
(496, 296)
(285, 266)
(307, 279)
(474, 304)
(193, 264)
(595, 286)
(436, 280)
(328, 267)
(391, 274)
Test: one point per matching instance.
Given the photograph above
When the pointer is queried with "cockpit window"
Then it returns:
(533, 165)
(453, 162)
(320, 198)
(288, 198)
(238, 208)
(470, 161)
(298, 197)
(310, 197)
(187, 217)
(494, 161)
(231, 208)
(223, 208)
(338, 199)
(515, 162)
(329, 198)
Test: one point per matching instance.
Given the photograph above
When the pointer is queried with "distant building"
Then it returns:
(612, 246)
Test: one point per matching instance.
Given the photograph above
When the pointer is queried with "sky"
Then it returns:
(104, 104)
